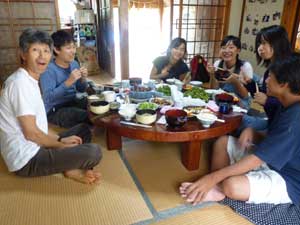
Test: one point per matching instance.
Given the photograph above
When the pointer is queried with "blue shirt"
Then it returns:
(176, 70)
(272, 104)
(281, 148)
(52, 82)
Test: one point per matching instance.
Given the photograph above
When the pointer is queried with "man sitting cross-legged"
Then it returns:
(26, 147)
(61, 82)
(257, 168)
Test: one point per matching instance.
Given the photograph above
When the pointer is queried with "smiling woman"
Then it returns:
(171, 65)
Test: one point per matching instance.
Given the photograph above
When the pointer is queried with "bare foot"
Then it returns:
(214, 195)
(95, 174)
(183, 187)
(86, 177)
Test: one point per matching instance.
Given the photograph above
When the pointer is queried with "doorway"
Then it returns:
(150, 29)
(148, 38)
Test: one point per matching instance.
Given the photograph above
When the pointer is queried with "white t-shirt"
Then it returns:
(246, 69)
(20, 96)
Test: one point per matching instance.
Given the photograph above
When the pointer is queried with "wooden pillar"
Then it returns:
(124, 40)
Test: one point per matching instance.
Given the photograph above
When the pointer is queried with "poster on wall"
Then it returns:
(257, 15)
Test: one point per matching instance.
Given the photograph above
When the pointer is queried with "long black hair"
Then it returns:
(237, 43)
(277, 37)
(176, 43)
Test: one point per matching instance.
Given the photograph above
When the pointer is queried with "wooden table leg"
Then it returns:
(190, 155)
(113, 140)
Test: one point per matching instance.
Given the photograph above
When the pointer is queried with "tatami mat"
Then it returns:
(159, 170)
(55, 200)
(212, 215)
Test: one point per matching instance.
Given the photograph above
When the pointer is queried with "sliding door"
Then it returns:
(202, 23)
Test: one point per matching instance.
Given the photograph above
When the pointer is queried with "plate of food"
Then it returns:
(196, 83)
(161, 101)
(164, 88)
(214, 91)
(147, 105)
(193, 110)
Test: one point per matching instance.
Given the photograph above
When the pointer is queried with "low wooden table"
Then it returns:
(190, 135)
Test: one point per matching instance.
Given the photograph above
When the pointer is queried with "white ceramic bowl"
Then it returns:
(146, 116)
(93, 98)
(171, 80)
(127, 111)
(127, 114)
(206, 119)
(99, 107)
(109, 96)
(196, 83)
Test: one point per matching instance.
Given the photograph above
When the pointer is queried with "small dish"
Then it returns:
(114, 106)
(171, 80)
(161, 101)
(196, 83)
(206, 119)
(127, 113)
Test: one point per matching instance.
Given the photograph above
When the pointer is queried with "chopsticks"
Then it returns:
(256, 87)
(135, 124)
(219, 68)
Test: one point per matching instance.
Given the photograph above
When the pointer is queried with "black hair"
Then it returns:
(31, 36)
(278, 38)
(237, 42)
(176, 43)
(288, 71)
(61, 38)
(230, 38)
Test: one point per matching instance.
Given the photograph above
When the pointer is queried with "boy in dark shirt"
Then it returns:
(259, 168)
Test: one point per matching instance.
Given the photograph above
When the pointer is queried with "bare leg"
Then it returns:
(220, 158)
(84, 176)
(237, 188)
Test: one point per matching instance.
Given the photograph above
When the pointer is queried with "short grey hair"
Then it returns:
(31, 36)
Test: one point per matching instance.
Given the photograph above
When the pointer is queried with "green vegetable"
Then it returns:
(196, 92)
(165, 89)
(147, 105)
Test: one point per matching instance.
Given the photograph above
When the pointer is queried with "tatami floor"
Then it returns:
(139, 186)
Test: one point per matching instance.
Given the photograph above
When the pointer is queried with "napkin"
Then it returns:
(162, 120)
(212, 106)
(181, 101)
(236, 108)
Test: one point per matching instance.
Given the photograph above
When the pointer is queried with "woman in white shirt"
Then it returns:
(229, 72)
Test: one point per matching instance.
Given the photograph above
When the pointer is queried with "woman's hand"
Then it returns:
(165, 70)
(210, 69)
(233, 78)
(260, 98)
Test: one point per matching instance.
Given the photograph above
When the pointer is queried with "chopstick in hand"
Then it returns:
(256, 87)
(219, 68)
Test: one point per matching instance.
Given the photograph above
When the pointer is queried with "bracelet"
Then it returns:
(59, 138)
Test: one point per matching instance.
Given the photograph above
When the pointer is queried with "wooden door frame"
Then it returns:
(124, 38)
(290, 18)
